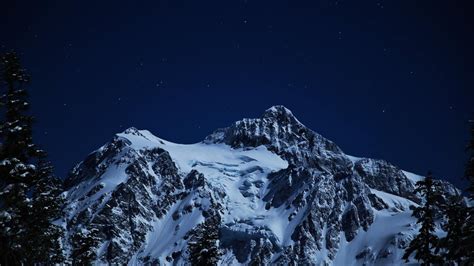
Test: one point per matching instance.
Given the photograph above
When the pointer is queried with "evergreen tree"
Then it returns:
(455, 212)
(84, 244)
(28, 195)
(15, 172)
(203, 248)
(470, 164)
(425, 243)
(46, 206)
(467, 242)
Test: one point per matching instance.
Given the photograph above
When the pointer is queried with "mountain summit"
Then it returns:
(261, 191)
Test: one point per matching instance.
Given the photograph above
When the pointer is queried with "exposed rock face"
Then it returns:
(123, 212)
(280, 192)
(383, 176)
(282, 133)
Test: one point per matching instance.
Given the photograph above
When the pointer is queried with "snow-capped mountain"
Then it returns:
(281, 192)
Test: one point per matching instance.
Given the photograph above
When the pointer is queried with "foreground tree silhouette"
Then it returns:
(467, 241)
(29, 193)
(203, 248)
(455, 213)
(84, 244)
(426, 242)
(470, 164)
(44, 244)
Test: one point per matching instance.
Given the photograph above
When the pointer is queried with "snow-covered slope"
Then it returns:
(282, 193)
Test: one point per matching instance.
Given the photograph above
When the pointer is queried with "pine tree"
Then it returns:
(84, 244)
(470, 164)
(455, 212)
(467, 242)
(15, 172)
(46, 206)
(426, 242)
(28, 196)
(203, 248)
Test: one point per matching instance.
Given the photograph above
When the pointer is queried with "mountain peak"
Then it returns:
(281, 116)
(131, 130)
(279, 112)
(278, 109)
(280, 131)
(277, 124)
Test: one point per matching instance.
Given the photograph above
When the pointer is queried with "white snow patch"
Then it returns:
(353, 158)
(377, 238)
(393, 201)
(413, 177)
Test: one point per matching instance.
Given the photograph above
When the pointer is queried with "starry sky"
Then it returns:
(383, 79)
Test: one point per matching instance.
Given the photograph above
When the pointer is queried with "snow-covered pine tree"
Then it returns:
(203, 248)
(15, 172)
(470, 164)
(84, 244)
(455, 213)
(459, 241)
(24, 184)
(467, 242)
(426, 242)
(46, 207)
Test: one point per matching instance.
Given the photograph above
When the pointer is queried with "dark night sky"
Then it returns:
(383, 79)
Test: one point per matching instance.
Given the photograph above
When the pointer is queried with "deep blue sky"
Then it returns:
(383, 79)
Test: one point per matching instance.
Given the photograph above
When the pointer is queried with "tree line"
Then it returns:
(457, 222)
